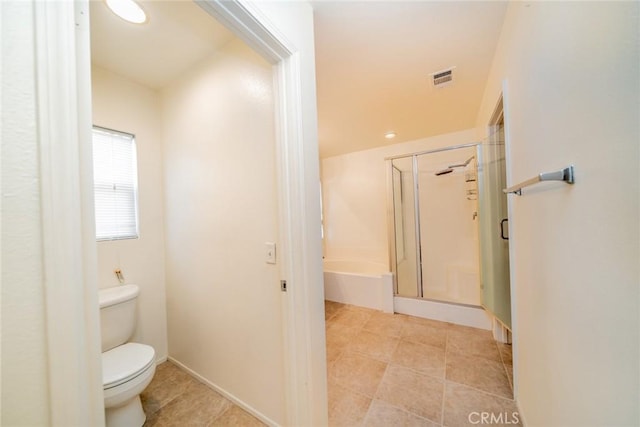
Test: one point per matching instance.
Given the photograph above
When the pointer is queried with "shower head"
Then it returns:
(444, 171)
(449, 168)
(464, 164)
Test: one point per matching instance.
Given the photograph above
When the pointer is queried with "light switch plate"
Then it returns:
(270, 252)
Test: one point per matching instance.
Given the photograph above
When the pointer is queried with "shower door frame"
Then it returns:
(416, 208)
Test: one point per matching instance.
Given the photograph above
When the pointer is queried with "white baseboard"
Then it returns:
(475, 317)
(226, 394)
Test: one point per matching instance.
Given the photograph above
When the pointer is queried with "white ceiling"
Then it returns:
(177, 35)
(373, 61)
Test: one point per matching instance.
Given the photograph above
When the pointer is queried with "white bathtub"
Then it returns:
(361, 283)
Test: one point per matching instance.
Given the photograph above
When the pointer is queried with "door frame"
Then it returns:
(64, 107)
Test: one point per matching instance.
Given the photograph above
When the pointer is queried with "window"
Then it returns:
(115, 184)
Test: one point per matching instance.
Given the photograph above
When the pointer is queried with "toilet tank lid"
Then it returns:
(117, 294)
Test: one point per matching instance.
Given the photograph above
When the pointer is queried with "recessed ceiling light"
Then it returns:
(128, 10)
(390, 135)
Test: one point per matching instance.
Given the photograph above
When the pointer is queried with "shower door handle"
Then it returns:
(502, 229)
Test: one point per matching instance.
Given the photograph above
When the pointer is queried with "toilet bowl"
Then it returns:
(126, 371)
(127, 367)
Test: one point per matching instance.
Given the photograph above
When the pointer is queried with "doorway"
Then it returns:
(184, 86)
(243, 185)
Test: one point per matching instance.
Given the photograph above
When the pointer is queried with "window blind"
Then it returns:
(115, 184)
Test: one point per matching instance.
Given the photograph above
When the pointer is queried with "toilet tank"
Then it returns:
(117, 314)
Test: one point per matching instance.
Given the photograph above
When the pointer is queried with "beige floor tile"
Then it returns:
(382, 414)
(198, 406)
(412, 391)
(153, 420)
(331, 308)
(409, 390)
(236, 417)
(168, 382)
(464, 406)
(377, 346)
(385, 324)
(174, 398)
(338, 337)
(333, 305)
(334, 352)
(350, 318)
(357, 372)
(423, 358)
(338, 334)
(478, 372)
(166, 371)
(425, 322)
(425, 333)
(460, 329)
(346, 407)
(328, 315)
(472, 342)
(361, 309)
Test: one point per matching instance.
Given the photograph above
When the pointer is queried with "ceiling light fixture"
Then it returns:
(390, 135)
(128, 10)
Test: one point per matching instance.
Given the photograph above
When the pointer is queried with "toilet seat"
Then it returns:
(124, 363)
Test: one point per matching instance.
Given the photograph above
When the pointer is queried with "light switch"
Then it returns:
(270, 252)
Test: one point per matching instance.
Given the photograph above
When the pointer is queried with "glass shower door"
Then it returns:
(494, 243)
(448, 226)
(406, 254)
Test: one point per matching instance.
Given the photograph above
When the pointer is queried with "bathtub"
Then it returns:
(361, 283)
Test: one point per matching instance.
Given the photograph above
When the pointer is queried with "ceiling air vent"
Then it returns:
(442, 78)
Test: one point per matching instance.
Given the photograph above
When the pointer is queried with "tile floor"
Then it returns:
(384, 370)
(175, 398)
(398, 370)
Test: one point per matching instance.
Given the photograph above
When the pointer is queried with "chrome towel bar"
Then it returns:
(565, 175)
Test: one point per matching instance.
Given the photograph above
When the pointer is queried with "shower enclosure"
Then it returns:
(449, 239)
(435, 213)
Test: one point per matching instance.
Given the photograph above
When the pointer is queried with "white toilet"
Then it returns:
(127, 367)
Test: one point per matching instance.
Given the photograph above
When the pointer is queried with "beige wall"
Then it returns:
(121, 104)
(354, 188)
(571, 75)
(224, 301)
